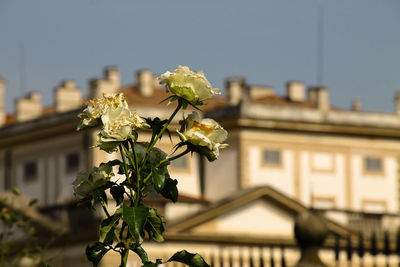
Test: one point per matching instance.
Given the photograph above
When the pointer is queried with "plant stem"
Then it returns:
(125, 169)
(162, 131)
(105, 208)
(137, 195)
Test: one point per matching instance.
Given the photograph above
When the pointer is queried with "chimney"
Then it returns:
(68, 96)
(320, 97)
(145, 82)
(356, 105)
(2, 101)
(29, 108)
(397, 102)
(236, 89)
(110, 84)
(295, 91)
(257, 91)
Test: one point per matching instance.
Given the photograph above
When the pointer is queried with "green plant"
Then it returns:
(143, 166)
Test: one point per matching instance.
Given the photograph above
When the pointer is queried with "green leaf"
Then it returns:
(118, 194)
(106, 229)
(140, 252)
(33, 202)
(152, 264)
(114, 162)
(108, 147)
(170, 189)
(158, 179)
(136, 218)
(193, 260)
(155, 226)
(16, 191)
(95, 252)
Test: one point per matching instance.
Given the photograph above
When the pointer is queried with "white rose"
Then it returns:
(207, 134)
(119, 124)
(97, 107)
(192, 86)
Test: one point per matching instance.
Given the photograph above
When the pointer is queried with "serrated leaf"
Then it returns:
(158, 179)
(193, 260)
(170, 189)
(95, 252)
(136, 218)
(140, 252)
(155, 226)
(118, 194)
(107, 227)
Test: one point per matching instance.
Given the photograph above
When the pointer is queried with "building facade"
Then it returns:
(344, 162)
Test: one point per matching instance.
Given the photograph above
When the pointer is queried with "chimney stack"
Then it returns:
(237, 90)
(145, 82)
(29, 108)
(356, 105)
(295, 91)
(110, 84)
(68, 96)
(2, 101)
(320, 97)
(397, 102)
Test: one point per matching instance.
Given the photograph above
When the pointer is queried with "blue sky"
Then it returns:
(267, 41)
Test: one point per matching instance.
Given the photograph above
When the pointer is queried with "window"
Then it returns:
(373, 164)
(72, 162)
(180, 163)
(272, 157)
(30, 171)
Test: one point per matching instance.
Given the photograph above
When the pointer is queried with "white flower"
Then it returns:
(207, 134)
(87, 181)
(97, 107)
(119, 124)
(192, 86)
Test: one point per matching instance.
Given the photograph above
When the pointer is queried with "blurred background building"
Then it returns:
(287, 154)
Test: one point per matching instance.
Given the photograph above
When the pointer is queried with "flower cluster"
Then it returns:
(113, 114)
(142, 165)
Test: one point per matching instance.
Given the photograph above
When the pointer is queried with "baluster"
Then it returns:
(361, 250)
(398, 245)
(386, 248)
(337, 249)
(241, 261)
(221, 258)
(349, 251)
(261, 257)
(283, 262)
(212, 260)
(251, 258)
(272, 260)
(374, 248)
(230, 255)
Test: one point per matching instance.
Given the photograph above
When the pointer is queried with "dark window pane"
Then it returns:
(373, 164)
(72, 161)
(272, 157)
(30, 171)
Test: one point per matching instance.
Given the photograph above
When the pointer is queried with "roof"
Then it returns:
(180, 230)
